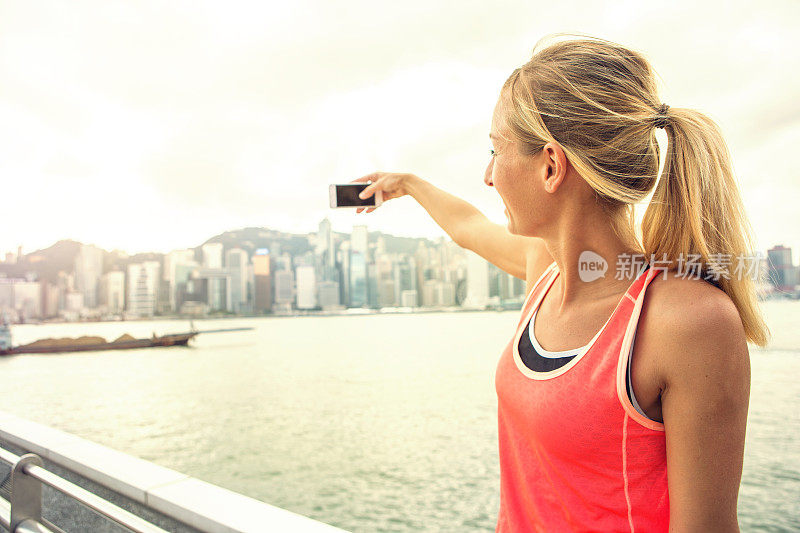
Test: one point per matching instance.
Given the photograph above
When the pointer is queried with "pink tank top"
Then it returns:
(575, 455)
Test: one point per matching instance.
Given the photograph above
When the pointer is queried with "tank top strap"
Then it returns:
(627, 311)
(642, 281)
(541, 283)
(627, 332)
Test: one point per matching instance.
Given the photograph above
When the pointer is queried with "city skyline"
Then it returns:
(253, 271)
(26, 251)
(258, 271)
(226, 117)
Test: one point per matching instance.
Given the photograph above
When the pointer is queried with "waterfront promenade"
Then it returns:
(101, 489)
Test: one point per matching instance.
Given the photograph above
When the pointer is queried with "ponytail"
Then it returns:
(599, 101)
(697, 210)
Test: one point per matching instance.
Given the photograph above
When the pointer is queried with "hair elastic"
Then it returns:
(662, 119)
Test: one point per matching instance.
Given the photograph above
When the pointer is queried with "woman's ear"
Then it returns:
(554, 161)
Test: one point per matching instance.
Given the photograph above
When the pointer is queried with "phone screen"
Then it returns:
(347, 195)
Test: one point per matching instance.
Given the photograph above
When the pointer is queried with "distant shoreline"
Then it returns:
(359, 312)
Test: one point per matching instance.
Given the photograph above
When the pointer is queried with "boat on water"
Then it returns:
(92, 344)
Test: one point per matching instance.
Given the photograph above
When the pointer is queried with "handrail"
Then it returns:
(27, 477)
(94, 502)
(8, 457)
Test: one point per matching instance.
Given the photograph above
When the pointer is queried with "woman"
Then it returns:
(597, 432)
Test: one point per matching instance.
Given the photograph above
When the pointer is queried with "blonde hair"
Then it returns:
(599, 101)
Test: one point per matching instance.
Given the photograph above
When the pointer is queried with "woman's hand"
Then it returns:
(523, 257)
(392, 185)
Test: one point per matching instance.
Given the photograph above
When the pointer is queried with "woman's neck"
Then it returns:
(593, 262)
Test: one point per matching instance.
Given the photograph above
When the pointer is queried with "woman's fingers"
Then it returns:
(381, 181)
(368, 191)
(369, 177)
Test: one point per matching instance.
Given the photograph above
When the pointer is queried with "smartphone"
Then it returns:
(346, 195)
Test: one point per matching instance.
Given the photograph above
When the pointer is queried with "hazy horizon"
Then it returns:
(27, 251)
(152, 126)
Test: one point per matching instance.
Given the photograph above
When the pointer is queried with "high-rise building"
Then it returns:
(193, 294)
(283, 262)
(212, 255)
(385, 280)
(780, 268)
(176, 273)
(216, 282)
(6, 297)
(284, 287)
(325, 244)
(74, 303)
(446, 293)
(429, 293)
(343, 260)
(51, 296)
(328, 295)
(182, 274)
(306, 287)
(27, 299)
(65, 283)
(262, 274)
(372, 286)
(112, 291)
(495, 279)
(449, 255)
(386, 293)
(88, 269)
(424, 273)
(236, 265)
(477, 282)
(359, 240)
(358, 279)
(408, 298)
(142, 288)
(406, 274)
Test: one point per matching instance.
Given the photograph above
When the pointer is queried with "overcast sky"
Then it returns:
(153, 125)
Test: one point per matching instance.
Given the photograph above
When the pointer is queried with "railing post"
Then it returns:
(26, 492)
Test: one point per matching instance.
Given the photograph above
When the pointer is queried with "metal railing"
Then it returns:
(22, 512)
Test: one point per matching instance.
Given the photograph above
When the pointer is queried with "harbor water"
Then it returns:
(369, 423)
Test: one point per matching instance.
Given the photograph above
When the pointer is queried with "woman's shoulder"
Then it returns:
(689, 303)
(689, 324)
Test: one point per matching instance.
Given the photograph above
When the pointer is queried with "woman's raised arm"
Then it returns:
(522, 257)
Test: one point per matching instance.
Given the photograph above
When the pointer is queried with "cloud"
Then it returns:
(236, 113)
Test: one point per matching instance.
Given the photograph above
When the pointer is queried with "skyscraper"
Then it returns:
(112, 291)
(284, 289)
(176, 273)
(343, 259)
(88, 269)
(263, 281)
(325, 245)
(306, 287)
(477, 281)
(385, 280)
(27, 298)
(142, 286)
(236, 267)
(216, 282)
(212, 255)
(780, 267)
(358, 279)
(328, 295)
(359, 240)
